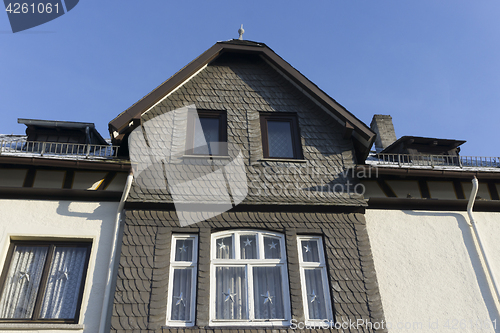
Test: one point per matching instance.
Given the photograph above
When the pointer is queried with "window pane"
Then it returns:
(64, 282)
(224, 248)
(279, 135)
(184, 250)
(206, 137)
(231, 299)
(310, 251)
(23, 280)
(315, 294)
(268, 300)
(272, 248)
(248, 247)
(181, 300)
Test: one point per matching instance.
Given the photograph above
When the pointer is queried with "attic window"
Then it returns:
(280, 135)
(206, 133)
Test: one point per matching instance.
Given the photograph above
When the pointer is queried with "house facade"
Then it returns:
(60, 188)
(255, 205)
(432, 220)
(241, 215)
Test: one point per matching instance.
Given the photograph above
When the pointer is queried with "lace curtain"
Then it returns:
(63, 286)
(316, 303)
(231, 298)
(60, 300)
(268, 293)
(206, 136)
(181, 300)
(23, 281)
(280, 139)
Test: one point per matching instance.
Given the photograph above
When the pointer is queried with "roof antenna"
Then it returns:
(241, 32)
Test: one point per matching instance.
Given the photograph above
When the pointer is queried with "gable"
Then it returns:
(353, 128)
(245, 87)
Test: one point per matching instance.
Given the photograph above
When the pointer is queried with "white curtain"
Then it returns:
(231, 299)
(206, 136)
(181, 300)
(268, 293)
(64, 281)
(23, 281)
(272, 248)
(315, 294)
(310, 251)
(184, 250)
(248, 247)
(280, 139)
(224, 247)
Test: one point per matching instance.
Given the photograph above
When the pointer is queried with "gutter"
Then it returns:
(488, 271)
(431, 204)
(106, 305)
(369, 169)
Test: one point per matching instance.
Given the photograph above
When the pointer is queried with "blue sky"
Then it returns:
(433, 65)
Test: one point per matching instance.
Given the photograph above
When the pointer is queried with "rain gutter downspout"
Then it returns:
(112, 260)
(488, 271)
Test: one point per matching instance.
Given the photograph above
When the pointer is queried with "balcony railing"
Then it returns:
(409, 160)
(75, 150)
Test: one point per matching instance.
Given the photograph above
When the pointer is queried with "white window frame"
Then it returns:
(308, 265)
(249, 264)
(193, 264)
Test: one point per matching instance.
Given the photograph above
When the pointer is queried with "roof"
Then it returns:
(361, 133)
(54, 123)
(445, 144)
(243, 86)
(65, 125)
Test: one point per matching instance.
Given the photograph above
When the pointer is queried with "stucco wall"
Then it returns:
(429, 272)
(32, 219)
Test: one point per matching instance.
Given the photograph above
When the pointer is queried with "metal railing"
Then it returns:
(437, 160)
(41, 148)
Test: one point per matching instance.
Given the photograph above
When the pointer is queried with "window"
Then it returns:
(206, 133)
(249, 282)
(44, 281)
(280, 135)
(182, 283)
(315, 291)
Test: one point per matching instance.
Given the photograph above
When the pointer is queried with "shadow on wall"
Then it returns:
(92, 309)
(98, 213)
(474, 257)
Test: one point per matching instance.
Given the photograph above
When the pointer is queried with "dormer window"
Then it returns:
(280, 136)
(206, 133)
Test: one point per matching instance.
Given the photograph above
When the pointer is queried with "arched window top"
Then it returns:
(248, 245)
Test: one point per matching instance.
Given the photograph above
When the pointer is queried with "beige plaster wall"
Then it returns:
(429, 272)
(32, 219)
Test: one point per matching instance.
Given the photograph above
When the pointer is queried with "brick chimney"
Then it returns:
(383, 127)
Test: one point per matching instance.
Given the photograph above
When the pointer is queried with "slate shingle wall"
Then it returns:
(141, 293)
(243, 87)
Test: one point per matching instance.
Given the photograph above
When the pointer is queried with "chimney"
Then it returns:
(383, 127)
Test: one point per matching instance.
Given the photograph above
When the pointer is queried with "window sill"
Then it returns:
(216, 157)
(283, 160)
(40, 326)
(251, 324)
